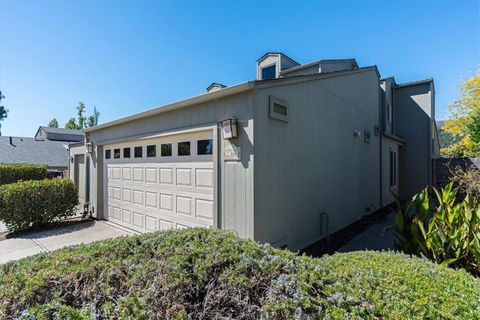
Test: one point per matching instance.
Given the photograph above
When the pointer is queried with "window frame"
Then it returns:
(274, 65)
(135, 152)
(206, 154)
(171, 149)
(154, 151)
(129, 152)
(189, 149)
(393, 177)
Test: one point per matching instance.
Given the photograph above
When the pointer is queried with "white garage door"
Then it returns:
(161, 183)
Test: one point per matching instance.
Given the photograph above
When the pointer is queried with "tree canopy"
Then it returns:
(53, 123)
(3, 111)
(464, 124)
(81, 121)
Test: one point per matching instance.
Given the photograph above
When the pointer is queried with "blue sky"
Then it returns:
(129, 56)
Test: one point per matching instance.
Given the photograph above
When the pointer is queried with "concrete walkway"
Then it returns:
(49, 240)
(373, 238)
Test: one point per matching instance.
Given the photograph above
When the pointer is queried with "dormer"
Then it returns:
(271, 64)
(215, 87)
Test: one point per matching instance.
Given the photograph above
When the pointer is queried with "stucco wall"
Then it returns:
(235, 178)
(313, 162)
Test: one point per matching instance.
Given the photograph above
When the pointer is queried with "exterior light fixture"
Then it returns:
(229, 128)
(89, 147)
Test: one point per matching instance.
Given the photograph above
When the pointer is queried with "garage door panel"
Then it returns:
(150, 194)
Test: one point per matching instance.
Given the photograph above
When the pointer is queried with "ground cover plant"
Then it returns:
(11, 173)
(34, 203)
(207, 274)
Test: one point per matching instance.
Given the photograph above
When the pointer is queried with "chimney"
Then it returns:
(215, 87)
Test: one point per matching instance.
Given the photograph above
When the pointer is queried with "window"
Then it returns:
(393, 168)
(151, 151)
(138, 152)
(126, 152)
(278, 109)
(269, 72)
(204, 147)
(108, 154)
(366, 136)
(184, 148)
(166, 150)
(389, 112)
(116, 153)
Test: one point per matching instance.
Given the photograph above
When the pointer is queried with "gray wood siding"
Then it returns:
(413, 122)
(235, 178)
(313, 163)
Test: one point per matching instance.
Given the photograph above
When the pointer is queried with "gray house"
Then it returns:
(48, 147)
(302, 151)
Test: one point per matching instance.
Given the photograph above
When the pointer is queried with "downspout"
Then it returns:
(87, 180)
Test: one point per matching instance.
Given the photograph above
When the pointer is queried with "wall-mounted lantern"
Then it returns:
(89, 147)
(229, 128)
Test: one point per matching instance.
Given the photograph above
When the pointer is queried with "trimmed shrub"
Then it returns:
(33, 203)
(207, 274)
(11, 173)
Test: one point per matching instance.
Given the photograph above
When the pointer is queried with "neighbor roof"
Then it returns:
(61, 134)
(33, 151)
(225, 92)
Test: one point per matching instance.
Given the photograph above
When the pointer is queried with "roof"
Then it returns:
(415, 83)
(61, 134)
(225, 92)
(318, 62)
(215, 84)
(33, 151)
(280, 53)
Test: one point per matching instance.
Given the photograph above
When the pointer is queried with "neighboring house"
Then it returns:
(319, 146)
(49, 147)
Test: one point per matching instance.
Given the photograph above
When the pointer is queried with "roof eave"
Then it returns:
(225, 92)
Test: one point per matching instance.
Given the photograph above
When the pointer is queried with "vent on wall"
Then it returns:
(278, 109)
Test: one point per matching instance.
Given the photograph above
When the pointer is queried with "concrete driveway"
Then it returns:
(49, 240)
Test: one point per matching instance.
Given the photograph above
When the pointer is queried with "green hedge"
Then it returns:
(34, 203)
(206, 274)
(11, 173)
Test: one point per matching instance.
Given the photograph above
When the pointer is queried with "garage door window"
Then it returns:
(126, 153)
(204, 147)
(108, 154)
(116, 153)
(151, 151)
(138, 152)
(166, 149)
(184, 148)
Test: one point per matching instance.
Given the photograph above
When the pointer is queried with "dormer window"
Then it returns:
(269, 72)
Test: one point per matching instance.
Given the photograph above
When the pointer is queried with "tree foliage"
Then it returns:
(3, 111)
(53, 123)
(82, 121)
(464, 125)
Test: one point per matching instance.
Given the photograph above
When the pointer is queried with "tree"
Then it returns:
(82, 122)
(3, 112)
(93, 119)
(53, 123)
(464, 124)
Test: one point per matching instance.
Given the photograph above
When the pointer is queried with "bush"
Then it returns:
(450, 236)
(28, 204)
(11, 173)
(206, 274)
